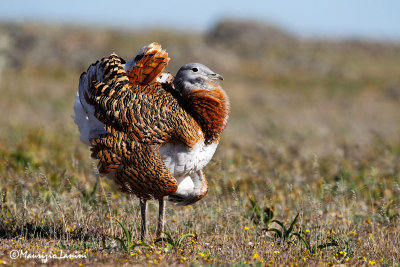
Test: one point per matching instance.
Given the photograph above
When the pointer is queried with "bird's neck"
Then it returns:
(210, 108)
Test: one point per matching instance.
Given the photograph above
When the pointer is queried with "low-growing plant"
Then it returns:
(260, 215)
(128, 244)
(345, 249)
(171, 244)
(284, 234)
(313, 248)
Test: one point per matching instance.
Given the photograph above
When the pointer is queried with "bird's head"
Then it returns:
(194, 76)
(204, 98)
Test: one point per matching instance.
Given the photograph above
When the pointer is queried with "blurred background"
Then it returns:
(306, 79)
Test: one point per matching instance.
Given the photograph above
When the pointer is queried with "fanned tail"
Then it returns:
(108, 70)
(147, 65)
(106, 144)
(89, 126)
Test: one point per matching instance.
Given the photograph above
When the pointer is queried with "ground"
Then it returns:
(314, 132)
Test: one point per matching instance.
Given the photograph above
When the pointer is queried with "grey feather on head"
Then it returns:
(193, 76)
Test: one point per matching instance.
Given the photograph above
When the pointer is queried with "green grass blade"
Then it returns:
(292, 225)
(278, 232)
(126, 232)
(268, 215)
(122, 243)
(256, 212)
(253, 202)
(280, 224)
(169, 239)
(141, 244)
(314, 249)
(179, 242)
(301, 238)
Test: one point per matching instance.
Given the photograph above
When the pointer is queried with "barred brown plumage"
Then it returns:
(149, 64)
(150, 135)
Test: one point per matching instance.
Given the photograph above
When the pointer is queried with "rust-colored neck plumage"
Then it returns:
(210, 108)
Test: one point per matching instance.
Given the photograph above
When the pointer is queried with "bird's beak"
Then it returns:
(216, 76)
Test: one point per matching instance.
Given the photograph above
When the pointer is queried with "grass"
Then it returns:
(318, 147)
(128, 245)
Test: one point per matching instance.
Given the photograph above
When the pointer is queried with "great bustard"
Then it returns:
(152, 133)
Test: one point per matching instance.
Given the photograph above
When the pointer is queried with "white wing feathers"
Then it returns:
(164, 78)
(89, 126)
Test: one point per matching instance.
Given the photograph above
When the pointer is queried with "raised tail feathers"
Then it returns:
(147, 65)
(89, 126)
(109, 70)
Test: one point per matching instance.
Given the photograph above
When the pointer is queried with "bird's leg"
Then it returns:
(161, 215)
(143, 205)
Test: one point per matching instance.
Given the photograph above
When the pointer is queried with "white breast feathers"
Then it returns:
(182, 161)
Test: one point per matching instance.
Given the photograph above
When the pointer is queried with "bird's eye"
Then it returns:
(195, 69)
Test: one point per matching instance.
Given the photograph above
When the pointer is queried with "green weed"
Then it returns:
(171, 244)
(127, 243)
(315, 247)
(284, 234)
(260, 215)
